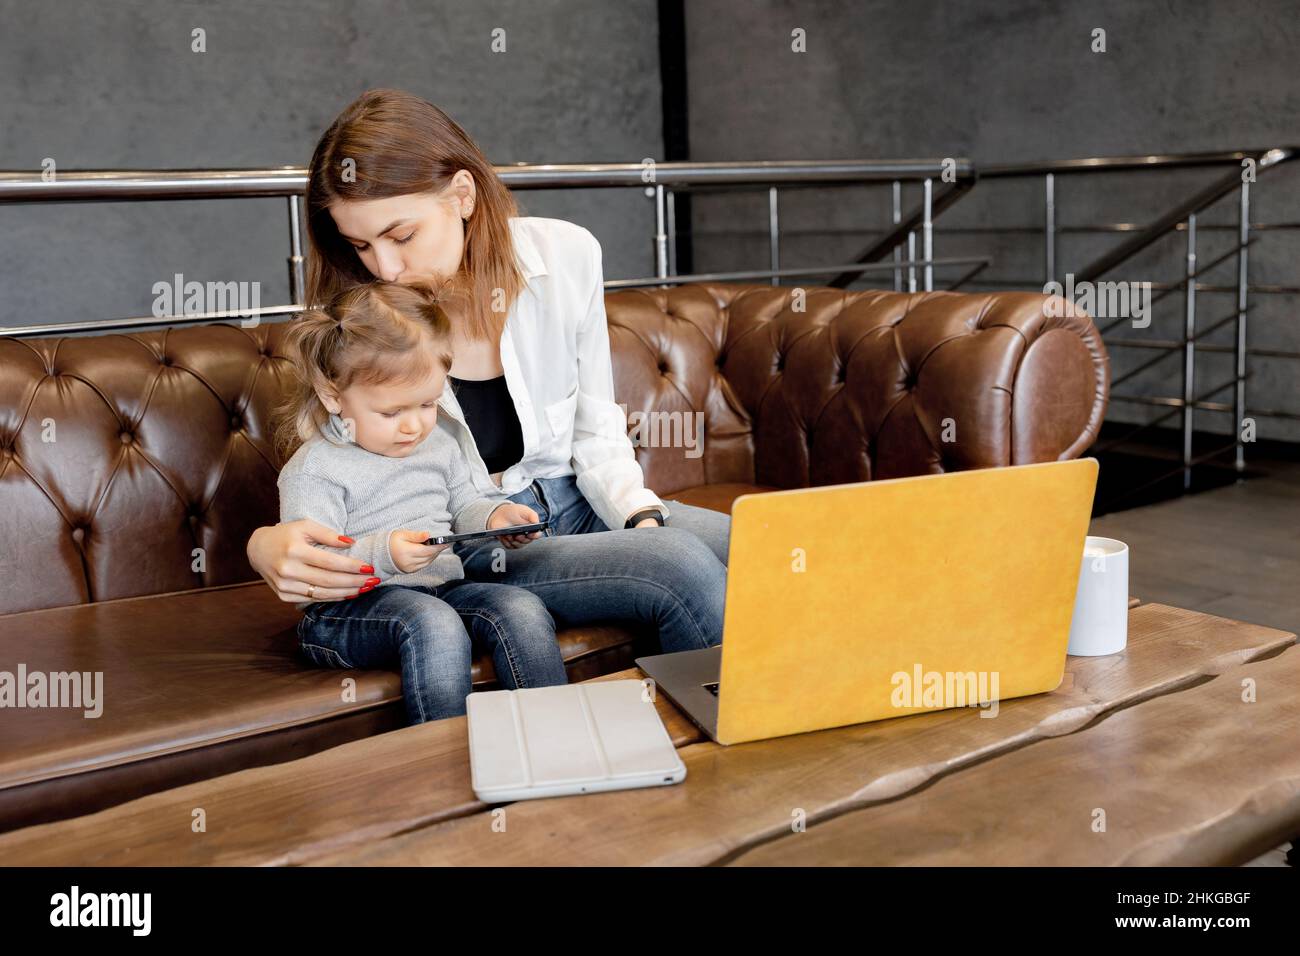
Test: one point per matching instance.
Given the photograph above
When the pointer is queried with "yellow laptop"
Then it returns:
(850, 603)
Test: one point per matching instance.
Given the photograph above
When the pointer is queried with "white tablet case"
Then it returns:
(576, 738)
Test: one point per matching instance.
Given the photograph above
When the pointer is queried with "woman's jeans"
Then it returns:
(432, 635)
(673, 578)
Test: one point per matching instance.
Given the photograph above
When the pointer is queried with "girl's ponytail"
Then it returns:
(312, 344)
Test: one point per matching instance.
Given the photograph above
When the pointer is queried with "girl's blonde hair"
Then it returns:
(390, 143)
(369, 334)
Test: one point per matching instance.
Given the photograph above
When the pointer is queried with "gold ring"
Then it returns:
(311, 592)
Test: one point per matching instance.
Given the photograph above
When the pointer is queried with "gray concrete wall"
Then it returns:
(1005, 81)
(96, 85)
(115, 85)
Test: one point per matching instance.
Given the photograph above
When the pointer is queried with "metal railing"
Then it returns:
(1246, 166)
(659, 180)
(895, 251)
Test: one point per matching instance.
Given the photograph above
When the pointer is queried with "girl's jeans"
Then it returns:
(673, 578)
(432, 635)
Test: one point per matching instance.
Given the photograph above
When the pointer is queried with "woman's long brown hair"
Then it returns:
(400, 144)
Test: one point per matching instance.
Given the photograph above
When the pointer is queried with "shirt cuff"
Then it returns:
(614, 510)
(474, 516)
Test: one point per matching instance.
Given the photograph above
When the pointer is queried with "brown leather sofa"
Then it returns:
(123, 455)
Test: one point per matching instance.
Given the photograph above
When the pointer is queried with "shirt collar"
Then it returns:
(530, 259)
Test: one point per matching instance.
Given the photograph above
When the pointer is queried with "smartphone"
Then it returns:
(494, 533)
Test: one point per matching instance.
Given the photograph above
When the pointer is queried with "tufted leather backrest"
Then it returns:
(854, 386)
(140, 463)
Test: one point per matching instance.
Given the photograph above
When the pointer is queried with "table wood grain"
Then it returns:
(1201, 777)
(404, 797)
(284, 813)
(736, 797)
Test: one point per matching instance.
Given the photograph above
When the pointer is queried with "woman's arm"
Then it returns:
(288, 559)
(608, 474)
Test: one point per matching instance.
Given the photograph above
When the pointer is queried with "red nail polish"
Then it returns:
(351, 596)
(346, 540)
(366, 569)
(365, 588)
(371, 582)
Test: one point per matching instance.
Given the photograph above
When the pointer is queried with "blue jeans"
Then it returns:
(673, 578)
(431, 635)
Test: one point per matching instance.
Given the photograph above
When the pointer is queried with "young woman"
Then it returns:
(397, 192)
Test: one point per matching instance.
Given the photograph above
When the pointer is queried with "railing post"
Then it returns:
(1049, 227)
(911, 261)
(773, 233)
(661, 236)
(297, 278)
(1189, 354)
(672, 232)
(1239, 393)
(898, 252)
(927, 230)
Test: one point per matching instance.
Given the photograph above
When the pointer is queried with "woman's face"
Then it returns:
(411, 238)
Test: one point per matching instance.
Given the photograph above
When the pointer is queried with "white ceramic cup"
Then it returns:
(1100, 624)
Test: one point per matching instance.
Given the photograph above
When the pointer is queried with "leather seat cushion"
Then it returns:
(719, 497)
(198, 683)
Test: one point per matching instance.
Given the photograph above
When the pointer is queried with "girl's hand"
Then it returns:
(409, 551)
(286, 557)
(512, 513)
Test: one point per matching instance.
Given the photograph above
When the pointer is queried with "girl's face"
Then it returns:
(411, 238)
(389, 418)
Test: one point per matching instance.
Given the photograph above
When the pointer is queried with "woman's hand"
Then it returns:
(409, 551)
(646, 523)
(513, 513)
(286, 557)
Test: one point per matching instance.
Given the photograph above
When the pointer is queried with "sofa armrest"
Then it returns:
(876, 384)
(1004, 379)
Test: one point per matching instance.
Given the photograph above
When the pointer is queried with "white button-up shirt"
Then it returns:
(555, 352)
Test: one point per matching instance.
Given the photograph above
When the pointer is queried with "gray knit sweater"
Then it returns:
(365, 496)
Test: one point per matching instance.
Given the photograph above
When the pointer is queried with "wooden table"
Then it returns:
(1158, 742)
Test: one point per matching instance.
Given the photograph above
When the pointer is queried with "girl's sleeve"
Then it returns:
(470, 511)
(307, 495)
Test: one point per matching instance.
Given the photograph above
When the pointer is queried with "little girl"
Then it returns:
(373, 462)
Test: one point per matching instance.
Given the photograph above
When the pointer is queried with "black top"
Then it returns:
(490, 414)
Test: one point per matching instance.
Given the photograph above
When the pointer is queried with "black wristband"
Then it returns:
(643, 514)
